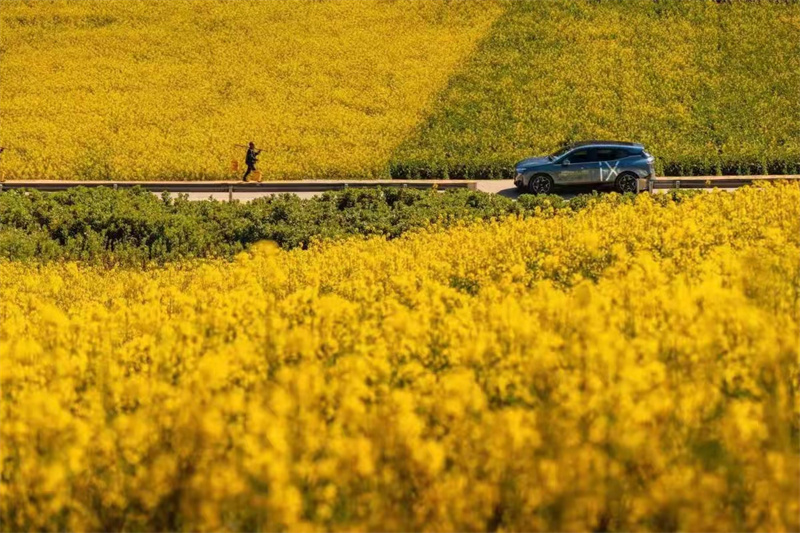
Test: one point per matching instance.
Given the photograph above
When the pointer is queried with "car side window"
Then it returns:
(607, 154)
(579, 156)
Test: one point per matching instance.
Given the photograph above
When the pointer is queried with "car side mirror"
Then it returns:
(565, 162)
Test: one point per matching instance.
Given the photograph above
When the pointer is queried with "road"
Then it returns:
(502, 187)
(224, 190)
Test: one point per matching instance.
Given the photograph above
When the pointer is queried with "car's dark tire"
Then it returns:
(626, 182)
(540, 184)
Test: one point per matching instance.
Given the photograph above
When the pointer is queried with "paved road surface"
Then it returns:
(502, 187)
(311, 188)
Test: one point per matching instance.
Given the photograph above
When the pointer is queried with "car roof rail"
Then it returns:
(606, 143)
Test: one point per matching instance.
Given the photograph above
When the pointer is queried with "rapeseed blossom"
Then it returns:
(142, 90)
(708, 87)
(628, 366)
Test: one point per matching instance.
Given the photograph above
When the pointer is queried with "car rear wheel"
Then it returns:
(540, 184)
(626, 182)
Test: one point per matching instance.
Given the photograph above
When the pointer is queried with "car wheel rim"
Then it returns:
(541, 184)
(628, 184)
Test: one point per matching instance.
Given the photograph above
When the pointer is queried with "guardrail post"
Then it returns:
(230, 193)
(677, 184)
(115, 186)
(650, 185)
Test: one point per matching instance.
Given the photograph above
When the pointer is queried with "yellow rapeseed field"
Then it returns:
(709, 87)
(142, 89)
(627, 366)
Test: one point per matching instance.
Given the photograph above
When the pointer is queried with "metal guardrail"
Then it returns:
(231, 187)
(709, 182)
(239, 186)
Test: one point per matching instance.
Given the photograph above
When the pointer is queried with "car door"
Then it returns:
(577, 167)
(608, 159)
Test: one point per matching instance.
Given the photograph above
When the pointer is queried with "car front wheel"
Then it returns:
(540, 184)
(625, 183)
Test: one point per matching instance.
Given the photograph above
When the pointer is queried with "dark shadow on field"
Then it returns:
(510, 192)
(428, 152)
(477, 127)
(547, 73)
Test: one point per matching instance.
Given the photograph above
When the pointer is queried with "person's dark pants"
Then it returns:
(250, 168)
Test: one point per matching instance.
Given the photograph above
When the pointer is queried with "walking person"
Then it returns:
(250, 160)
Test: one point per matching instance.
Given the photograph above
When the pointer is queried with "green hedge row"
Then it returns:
(135, 227)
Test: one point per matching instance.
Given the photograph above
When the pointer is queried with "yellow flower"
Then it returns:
(363, 385)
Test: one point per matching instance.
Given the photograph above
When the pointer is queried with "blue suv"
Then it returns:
(589, 162)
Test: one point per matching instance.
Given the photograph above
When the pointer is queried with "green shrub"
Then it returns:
(133, 226)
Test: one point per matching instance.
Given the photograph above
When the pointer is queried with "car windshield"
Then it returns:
(559, 153)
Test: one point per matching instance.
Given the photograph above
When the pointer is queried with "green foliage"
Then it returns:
(709, 88)
(134, 226)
